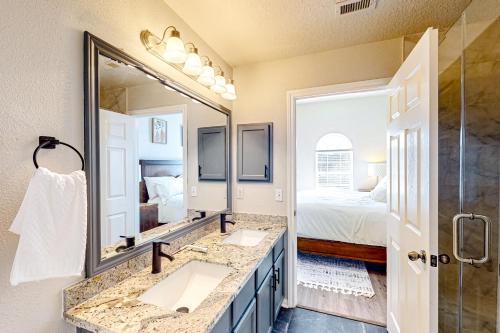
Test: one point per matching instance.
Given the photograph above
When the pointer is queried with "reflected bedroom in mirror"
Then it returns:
(162, 158)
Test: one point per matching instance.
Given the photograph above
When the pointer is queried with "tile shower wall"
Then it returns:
(481, 182)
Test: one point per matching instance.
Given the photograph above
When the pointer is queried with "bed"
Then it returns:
(341, 223)
(170, 208)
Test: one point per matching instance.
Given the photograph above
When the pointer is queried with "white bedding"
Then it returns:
(171, 210)
(351, 217)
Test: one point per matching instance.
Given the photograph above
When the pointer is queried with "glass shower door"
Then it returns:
(469, 154)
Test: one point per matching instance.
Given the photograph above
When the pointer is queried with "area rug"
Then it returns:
(344, 276)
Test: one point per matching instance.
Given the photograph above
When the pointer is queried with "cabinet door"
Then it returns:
(224, 324)
(255, 152)
(248, 322)
(265, 308)
(212, 153)
(279, 283)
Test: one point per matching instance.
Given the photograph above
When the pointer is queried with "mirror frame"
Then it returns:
(93, 46)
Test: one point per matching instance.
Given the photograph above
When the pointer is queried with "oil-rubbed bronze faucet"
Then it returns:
(223, 222)
(157, 254)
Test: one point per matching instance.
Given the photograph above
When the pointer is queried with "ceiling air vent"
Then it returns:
(351, 6)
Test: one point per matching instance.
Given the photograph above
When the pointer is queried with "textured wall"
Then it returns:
(41, 92)
(262, 98)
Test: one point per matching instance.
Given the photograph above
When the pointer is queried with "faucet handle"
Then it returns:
(160, 243)
(202, 213)
(129, 241)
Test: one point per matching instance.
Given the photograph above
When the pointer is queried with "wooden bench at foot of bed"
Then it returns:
(368, 253)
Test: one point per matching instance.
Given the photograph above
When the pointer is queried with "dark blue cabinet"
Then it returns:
(265, 308)
(279, 283)
(258, 303)
(212, 153)
(248, 321)
(224, 325)
(255, 152)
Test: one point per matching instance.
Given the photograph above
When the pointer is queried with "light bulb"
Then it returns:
(174, 48)
(207, 75)
(193, 65)
(230, 93)
(220, 84)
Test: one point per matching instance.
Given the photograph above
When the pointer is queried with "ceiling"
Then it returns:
(247, 31)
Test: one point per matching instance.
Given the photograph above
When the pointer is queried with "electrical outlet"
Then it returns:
(278, 194)
(194, 191)
(240, 193)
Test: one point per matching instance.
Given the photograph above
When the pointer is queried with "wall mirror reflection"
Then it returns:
(160, 158)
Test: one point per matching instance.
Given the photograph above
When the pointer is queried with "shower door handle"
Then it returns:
(457, 236)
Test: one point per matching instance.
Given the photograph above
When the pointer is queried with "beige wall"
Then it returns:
(262, 89)
(41, 93)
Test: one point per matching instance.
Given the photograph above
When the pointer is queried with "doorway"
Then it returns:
(464, 169)
(341, 209)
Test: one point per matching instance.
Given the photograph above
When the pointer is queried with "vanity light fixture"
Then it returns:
(187, 60)
(220, 83)
(230, 93)
(193, 65)
(207, 75)
(174, 47)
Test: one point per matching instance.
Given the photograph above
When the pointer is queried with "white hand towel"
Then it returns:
(52, 224)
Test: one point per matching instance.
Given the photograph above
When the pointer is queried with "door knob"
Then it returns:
(414, 256)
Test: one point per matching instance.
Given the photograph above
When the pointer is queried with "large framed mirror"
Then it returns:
(157, 156)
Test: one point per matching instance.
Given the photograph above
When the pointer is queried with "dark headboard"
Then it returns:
(157, 168)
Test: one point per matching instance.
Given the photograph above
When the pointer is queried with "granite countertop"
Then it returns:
(117, 309)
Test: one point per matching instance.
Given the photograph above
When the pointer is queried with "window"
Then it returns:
(334, 162)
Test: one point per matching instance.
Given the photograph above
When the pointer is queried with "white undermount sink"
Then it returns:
(187, 287)
(245, 237)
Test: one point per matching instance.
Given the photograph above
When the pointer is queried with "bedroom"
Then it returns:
(341, 204)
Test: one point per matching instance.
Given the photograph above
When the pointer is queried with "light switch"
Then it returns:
(278, 194)
(194, 191)
(239, 192)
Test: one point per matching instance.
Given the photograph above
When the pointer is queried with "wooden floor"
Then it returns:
(370, 310)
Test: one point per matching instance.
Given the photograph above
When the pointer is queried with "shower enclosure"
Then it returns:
(469, 141)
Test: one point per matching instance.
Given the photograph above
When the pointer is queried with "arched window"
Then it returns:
(334, 164)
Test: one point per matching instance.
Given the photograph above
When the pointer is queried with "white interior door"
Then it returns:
(118, 178)
(412, 145)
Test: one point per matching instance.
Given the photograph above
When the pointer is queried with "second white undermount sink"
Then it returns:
(245, 237)
(187, 287)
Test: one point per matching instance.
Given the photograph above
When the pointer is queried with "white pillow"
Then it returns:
(379, 193)
(177, 186)
(151, 183)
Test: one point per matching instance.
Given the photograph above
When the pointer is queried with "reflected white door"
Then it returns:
(118, 181)
(412, 145)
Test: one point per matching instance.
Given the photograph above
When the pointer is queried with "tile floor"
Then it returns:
(300, 320)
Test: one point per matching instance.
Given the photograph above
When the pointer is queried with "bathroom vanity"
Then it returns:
(246, 298)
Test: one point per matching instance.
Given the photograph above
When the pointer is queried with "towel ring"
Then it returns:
(49, 142)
